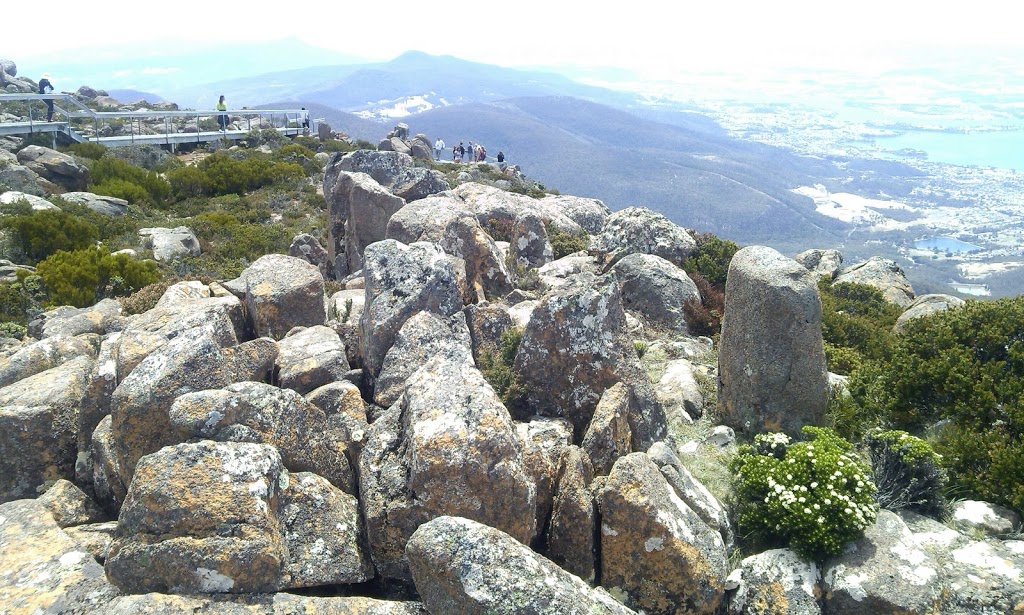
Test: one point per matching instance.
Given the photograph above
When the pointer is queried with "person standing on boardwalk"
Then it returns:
(438, 148)
(45, 87)
(222, 118)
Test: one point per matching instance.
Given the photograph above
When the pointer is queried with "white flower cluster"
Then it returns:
(774, 440)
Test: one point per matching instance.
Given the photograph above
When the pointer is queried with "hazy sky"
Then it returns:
(660, 37)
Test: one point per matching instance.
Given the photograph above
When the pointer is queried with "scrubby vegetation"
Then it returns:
(496, 365)
(708, 267)
(907, 473)
(83, 277)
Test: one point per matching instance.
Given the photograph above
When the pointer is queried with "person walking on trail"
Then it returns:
(45, 87)
(438, 148)
(222, 118)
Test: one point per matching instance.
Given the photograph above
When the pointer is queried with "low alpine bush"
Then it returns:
(813, 496)
(82, 277)
(907, 473)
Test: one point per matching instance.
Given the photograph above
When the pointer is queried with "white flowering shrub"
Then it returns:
(814, 497)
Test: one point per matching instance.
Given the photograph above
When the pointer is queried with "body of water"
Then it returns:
(1003, 149)
(945, 244)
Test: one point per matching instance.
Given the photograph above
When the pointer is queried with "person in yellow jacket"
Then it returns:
(222, 119)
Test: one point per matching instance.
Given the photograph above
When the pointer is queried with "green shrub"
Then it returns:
(37, 235)
(906, 472)
(10, 329)
(704, 315)
(564, 243)
(711, 259)
(187, 182)
(114, 172)
(122, 189)
(496, 365)
(82, 277)
(221, 174)
(812, 496)
(15, 303)
(964, 366)
(92, 151)
(857, 318)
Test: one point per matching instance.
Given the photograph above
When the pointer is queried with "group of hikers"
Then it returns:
(460, 153)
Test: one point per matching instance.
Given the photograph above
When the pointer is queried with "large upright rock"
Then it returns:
(425, 219)
(655, 289)
(486, 270)
(394, 170)
(461, 566)
(447, 447)
(574, 348)
(60, 169)
(202, 518)
(310, 358)
(571, 539)
(358, 212)
(772, 360)
(638, 230)
(402, 280)
(281, 292)
(655, 551)
(883, 274)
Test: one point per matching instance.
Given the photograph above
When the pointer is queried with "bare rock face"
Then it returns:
(883, 274)
(447, 447)
(590, 214)
(69, 505)
(102, 318)
(776, 581)
(101, 204)
(529, 243)
(576, 346)
(487, 322)
(655, 552)
(984, 517)
(497, 209)
(690, 490)
(822, 263)
(58, 168)
(485, 264)
(656, 290)
(543, 440)
(425, 219)
(680, 393)
(461, 566)
(42, 570)
(571, 537)
(395, 170)
(323, 531)
(886, 571)
(202, 518)
(638, 230)
(422, 337)
(402, 280)
(281, 292)
(281, 603)
(771, 360)
(40, 356)
(39, 427)
(258, 412)
(310, 358)
(608, 437)
(306, 247)
(925, 305)
(170, 243)
(358, 214)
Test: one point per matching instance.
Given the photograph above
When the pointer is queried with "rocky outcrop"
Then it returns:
(822, 263)
(772, 359)
(571, 537)
(883, 274)
(309, 358)
(103, 318)
(486, 271)
(656, 290)
(775, 582)
(60, 170)
(925, 305)
(168, 244)
(306, 247)
(37, 203)
(280, 292)
(638, 230)
(106, 205)
(394, 170)
(358, 215)
(461, 566)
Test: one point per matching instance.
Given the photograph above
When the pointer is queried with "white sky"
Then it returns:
(656, 36)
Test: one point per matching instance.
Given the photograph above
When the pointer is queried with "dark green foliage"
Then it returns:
(300, 155)
(964, 365)
(92, 151)
(82, 277)
(856, 324)
(712, 258)
(37, 235)
(907, 473)
(10, 329)
(223, 174)
(564, 243)
(115, 177)
(812, 496)
(496, 365)
(116, 232)
(704, 315)
(232, 239)
(16, 303)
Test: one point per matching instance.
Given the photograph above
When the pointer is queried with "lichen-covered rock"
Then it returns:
(39, 427)
(461, 566)
(99, 203)
(102, 318)
(529, 244)
(96, 404)
(281, 292)
(448, 446)
(691, 491)
(574, 348)
(638, 230)
(69, 505)
(323, 531)
(96, 538)
(608, 437)
(590, 214)
(37, 203)
(680, 394)
(403, 280)
(776, 582)
(42, 570)
(258, 412)
(559, 272)
(571, 535)
(310, 358)
(772, 373)
(822, 263)
(40, 356)
(983, 577)
(486, 271)
(202, 518)
(280, 603)
(169, 244)
(306, 247)
(497, 209)
(58, 168)
(358, 214)
(885, 571)
(883, 274)
(543, 440)
(421, 338)
(487, 322)
(425, 219)
(989, 519)
(346, 306)
(925, 305)
(656, 553)
(655, 289)
(395, 171)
